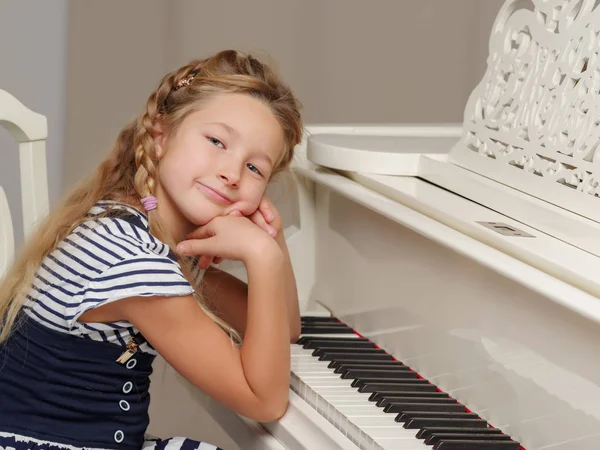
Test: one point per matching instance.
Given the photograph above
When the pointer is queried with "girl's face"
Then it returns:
(219, 160)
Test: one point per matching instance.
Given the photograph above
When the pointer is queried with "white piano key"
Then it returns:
(355, 396)
(359, 410)
(366, 424)
(330, 382)
(348, 401)
(324, 390)
(300, 367)
(376, 421)
(391, 443)
(389, 431)
(369, 414)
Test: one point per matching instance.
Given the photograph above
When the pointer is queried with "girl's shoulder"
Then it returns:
(122, 228)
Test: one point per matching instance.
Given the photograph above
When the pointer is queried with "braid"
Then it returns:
(145, 150)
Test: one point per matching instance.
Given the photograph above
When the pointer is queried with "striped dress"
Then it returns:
(60, 384)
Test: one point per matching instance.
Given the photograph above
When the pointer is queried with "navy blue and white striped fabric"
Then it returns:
(101, 261)
(60, 385)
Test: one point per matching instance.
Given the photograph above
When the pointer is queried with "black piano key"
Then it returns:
(318, 319)
(326, 330)
(357, 356)
(378, 373)
(350, 360)
(388, 381)
(437, 437)
(378, 395)
(424, 433)
(410, 415)
(417, 423)
(477, 445)
(421, 399)
(327, 323)
(375, 387)
(305, 339)
(400, 377)
(373, 365)
(340, 342)
(399, 407)
(348, 350)
(416, 397)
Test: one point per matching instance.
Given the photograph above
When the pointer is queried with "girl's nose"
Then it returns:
(230, 178)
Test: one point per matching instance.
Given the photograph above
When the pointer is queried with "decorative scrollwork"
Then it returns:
(538, 106)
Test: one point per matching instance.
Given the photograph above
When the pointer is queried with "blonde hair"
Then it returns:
(129, 172)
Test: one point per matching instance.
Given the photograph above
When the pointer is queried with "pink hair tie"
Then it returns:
(149, 203)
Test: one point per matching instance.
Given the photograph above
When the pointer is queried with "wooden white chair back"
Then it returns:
(30, 130)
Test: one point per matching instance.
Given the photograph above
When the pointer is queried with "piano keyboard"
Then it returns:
(378, 402)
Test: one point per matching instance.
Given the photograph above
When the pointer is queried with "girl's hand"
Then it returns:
(230, 237)
(206, 260)
(267, 217)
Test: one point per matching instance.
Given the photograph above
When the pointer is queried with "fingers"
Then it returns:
(195, 243)
(266, 209)
(205, 261)
(259, 220)
(194, 247)
(203, 232)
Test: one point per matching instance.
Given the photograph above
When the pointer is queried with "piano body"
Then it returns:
(469, 253)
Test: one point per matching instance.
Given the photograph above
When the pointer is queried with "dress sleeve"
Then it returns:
(144, 275)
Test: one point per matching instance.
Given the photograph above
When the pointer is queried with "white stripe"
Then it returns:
(175, 443)
(126, 237)
(104, 247)
(27, 439)
(205, 446)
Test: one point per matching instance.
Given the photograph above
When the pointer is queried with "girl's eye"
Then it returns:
(216, 142)
(253, 168)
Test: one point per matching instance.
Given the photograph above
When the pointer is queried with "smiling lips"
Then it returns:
(215, 195)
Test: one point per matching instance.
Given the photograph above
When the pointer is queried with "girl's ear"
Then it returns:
(159, 139)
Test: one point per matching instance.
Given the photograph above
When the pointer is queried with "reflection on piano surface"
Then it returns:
(470, 253)
(377, 399)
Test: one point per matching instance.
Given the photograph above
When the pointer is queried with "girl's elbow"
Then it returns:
(294, 336)
(275, 411)
(270, 411)
(295, 331)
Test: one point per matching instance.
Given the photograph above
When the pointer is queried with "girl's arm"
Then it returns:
(291, 295)
(229, 295)
(252, 380)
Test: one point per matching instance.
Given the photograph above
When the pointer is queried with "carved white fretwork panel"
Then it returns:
(533, 122)
(30, 129)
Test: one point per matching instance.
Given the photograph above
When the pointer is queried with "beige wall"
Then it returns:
(33, 68)
(413, 61)
(384, 61)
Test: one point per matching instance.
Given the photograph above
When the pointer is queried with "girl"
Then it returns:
(102, 286)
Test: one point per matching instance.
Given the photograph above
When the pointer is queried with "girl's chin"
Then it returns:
(195, 221)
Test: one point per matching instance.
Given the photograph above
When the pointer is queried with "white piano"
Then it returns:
(469, 253)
